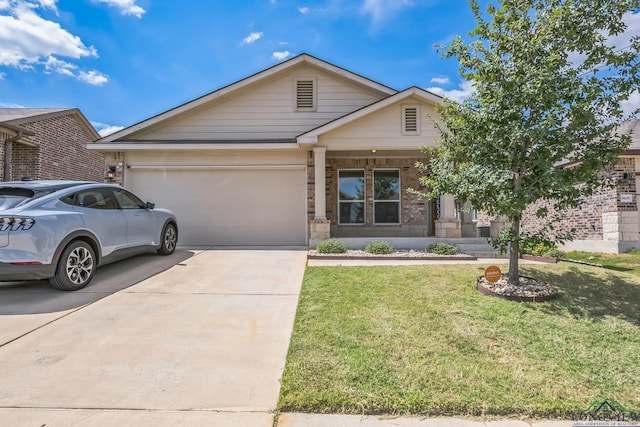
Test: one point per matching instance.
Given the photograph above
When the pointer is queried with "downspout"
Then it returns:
(8, 153)
(8, 148)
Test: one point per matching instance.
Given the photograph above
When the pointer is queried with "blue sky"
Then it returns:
(122, 61)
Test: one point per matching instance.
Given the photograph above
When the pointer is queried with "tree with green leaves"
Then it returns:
(549, 85)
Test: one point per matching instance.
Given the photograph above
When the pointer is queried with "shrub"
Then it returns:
(331, 246)
(536, 245)
(554, 253)
(379, 248)
(442, 248)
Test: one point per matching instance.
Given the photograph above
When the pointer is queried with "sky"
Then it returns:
(123, 61)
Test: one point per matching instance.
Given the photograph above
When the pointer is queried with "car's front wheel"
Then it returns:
(76, 267)
(169, 240)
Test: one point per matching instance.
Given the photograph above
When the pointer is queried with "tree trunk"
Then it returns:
(514, 254)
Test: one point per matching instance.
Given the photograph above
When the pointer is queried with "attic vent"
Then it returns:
(305, 94)
(410, 120)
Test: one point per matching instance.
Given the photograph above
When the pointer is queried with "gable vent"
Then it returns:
(411, 119)
(304, 94)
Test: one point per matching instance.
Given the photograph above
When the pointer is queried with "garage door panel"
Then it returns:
(243, 207)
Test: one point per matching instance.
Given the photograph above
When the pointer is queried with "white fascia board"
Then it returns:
(123, 146)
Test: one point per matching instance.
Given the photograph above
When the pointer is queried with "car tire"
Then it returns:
(76, 267)
(168, 240)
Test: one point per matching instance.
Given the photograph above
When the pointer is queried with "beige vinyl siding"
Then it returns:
(267, 111)
(384, 130)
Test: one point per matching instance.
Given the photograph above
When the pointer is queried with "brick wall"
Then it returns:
(588, 218)
(60, 152)
(413, 208)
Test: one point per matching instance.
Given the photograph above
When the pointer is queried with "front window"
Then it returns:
(386, 196)
(351, 197)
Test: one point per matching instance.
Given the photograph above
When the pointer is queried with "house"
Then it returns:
(48, 143)
(294, 154)
(608, 221)
(297, 153)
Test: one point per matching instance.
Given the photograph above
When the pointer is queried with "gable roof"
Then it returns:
(226, 90)
(311, 137)
(20, 116)
(633, 127)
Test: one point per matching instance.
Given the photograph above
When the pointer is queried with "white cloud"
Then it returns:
(464, 92)
(10, 105)
(441, 80)
(381, 10)
(93, 77)
(127, 7)
(303, 10)
(48, 4)
(58, 66)
(28, 41)
(26, 38)
(251, 38)
(632, 104)
(281, 55)
(104, 129)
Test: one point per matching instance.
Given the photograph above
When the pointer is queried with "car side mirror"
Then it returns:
(149, 205)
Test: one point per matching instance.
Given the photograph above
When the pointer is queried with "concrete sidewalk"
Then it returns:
(318, 420)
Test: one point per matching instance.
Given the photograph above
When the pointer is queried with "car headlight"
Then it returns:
(13, 224)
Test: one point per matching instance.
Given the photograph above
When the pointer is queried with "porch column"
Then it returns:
(320, 226)
(319, 163)
(448, 226)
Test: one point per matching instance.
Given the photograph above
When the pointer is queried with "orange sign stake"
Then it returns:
(492, 273)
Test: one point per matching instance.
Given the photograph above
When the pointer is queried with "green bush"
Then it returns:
(379, 248)
(331, 246)
(554, 253)
(442, 248)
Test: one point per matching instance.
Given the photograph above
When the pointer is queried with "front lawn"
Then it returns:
(421, 340)
(629, 262)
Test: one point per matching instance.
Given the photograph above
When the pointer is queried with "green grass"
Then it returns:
(620, 262)
(421, 340)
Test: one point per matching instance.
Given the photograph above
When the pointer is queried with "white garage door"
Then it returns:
(230, 206)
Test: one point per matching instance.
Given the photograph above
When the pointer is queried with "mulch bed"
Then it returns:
(529, 289)
(397, 255)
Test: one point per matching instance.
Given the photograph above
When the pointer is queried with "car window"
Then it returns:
(11, 197)
(127, 200)
(95, 198)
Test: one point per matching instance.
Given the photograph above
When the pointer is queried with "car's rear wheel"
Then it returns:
(76, 267)
(169, 240)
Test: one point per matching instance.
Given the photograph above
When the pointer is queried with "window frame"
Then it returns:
(399, 201)
(363, 200)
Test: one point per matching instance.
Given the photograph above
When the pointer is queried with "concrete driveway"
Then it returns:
(195, 339)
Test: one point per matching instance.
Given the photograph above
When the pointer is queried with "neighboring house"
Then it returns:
(607, 221)
(292, 155)
(48, 143)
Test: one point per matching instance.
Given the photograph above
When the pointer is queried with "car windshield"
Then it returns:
(11, 197)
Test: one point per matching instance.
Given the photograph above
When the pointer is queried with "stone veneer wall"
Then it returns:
(413, 208)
